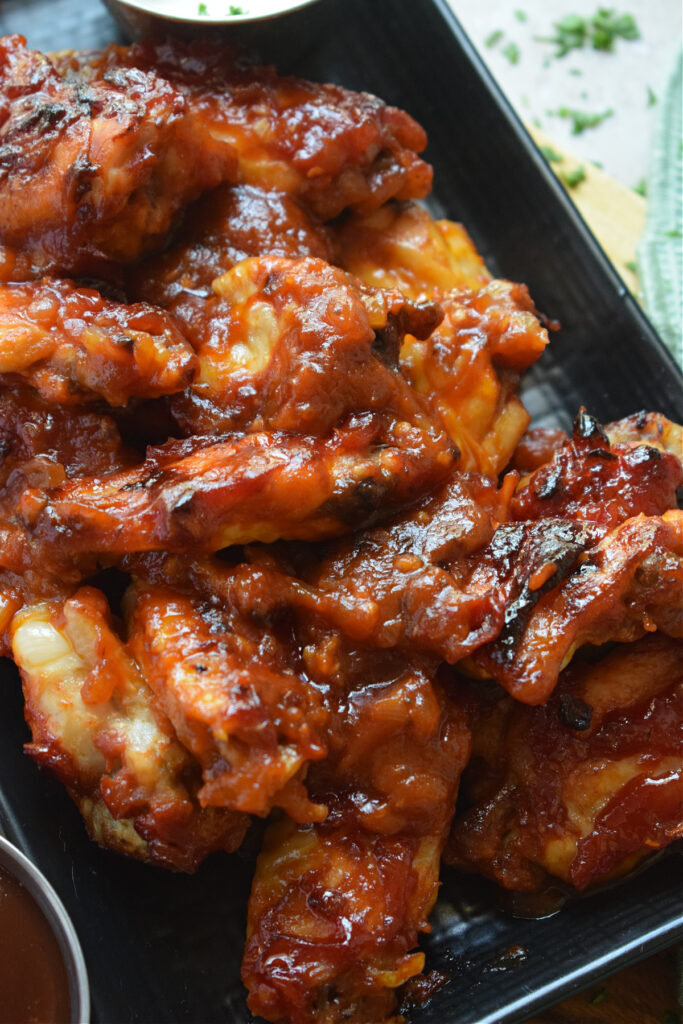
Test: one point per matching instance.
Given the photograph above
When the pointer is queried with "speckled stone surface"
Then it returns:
(618, 80)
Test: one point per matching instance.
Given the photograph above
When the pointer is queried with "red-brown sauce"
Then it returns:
(34, 988)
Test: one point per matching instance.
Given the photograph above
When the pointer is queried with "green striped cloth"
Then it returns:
(660, 252)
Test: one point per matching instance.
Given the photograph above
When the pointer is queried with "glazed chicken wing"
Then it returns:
(96, 725)
(297, 345)
(93, 172)
(468, 368)
(73, 345)
(329, 147)
(43, 445)
(336, 908)
(234, 700)
(585, 786)
(204, 494)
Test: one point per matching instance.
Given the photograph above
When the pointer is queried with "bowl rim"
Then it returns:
(34, 881)
(204, 19)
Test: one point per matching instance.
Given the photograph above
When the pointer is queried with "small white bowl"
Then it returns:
(282, 33)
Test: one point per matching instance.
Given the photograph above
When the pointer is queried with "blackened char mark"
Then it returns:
(554, 541)
(586, 427)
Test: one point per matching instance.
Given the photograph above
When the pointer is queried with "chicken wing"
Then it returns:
(585, 786)
(297, 345)
(73, 345)
(43, 445)
(93, 171)
(96, 725)
(327, 146)
(234, 700)
(468, 368)
(336, 908)
(203, 494)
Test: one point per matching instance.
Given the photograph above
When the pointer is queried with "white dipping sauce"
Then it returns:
(217, 10)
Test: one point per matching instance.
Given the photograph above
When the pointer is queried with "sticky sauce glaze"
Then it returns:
(34, 988)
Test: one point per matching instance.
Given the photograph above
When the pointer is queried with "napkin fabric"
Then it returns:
(660, 252)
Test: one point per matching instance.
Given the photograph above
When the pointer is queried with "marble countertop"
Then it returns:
(626, 81)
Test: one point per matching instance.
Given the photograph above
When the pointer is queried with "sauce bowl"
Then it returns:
(279, 29)
(21, 870)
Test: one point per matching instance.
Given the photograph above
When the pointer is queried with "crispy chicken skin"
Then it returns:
(96, 725)
(583, 787)
(93, 172)
(73, 345)
(323, 144)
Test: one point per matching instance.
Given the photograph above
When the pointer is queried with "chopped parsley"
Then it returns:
(551, 155)
(651, 97)
(511, 53)
(632, 266)
(580, 119)
(574, 32)
(641, 187)
(575, 177)
(607, 25)
(521, 15)
(673, 233)
(202, 9)
(494, 38)
(233, 9)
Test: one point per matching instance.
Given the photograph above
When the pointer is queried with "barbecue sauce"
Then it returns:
(34, 987)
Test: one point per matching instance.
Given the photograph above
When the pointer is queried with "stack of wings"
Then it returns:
(275, 539)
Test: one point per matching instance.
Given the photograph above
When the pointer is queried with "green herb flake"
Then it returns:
(641, 187)
(494, 38)
(575, 177)
(596, 163)
(575, 32)
(233, 9)
(581, 121)
(202, 9)
(570, 34)
(511, 53)
(673, 233)
(551, 155)
(521, 15)
(606, 26)
(598, 997)
(651, 97)
(576, 72)
(632, 266)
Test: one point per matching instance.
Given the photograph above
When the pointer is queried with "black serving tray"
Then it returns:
(164, 948)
